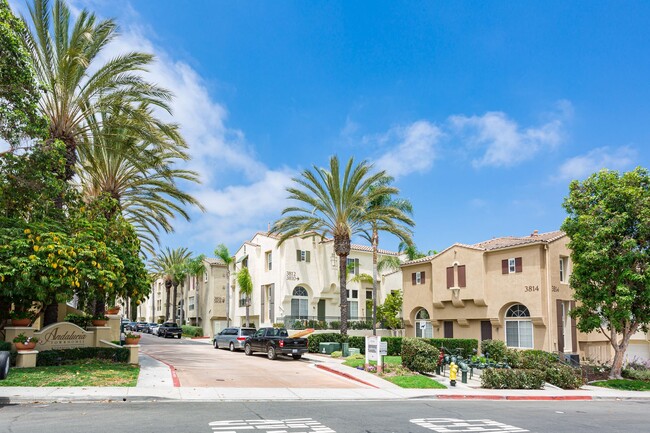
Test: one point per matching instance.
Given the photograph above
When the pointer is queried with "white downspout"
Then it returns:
(548, 295)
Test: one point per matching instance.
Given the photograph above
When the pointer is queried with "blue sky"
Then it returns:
(482, 111)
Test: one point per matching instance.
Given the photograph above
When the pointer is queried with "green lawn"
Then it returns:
(415, 381)
(354, 363)
(624, 384)
(90, 372)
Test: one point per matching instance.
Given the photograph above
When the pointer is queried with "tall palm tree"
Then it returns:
(396, 220)
(136, 167)
(195, 269)
(246, 288)
(171, 266)
(335, 204)
(224, 255)
(65, 56)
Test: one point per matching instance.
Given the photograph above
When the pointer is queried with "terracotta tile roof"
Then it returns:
(512, 241)
(213, 261)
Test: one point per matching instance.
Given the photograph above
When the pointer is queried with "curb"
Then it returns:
(346, 375)
(517, 397)
(175, 380)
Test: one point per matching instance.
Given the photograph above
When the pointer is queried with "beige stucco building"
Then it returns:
(514, 289)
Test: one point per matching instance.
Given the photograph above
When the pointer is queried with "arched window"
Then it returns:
(300, 303)
(423, 328)
(519, 327)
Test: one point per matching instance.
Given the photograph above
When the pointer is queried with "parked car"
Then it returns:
(232, 338)
(141, 326)
(275, 341)
(129, 326)
(154, 329)
(149, 327)
(170, 328)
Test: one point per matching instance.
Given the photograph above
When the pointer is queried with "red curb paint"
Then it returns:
(547, 397)
(347, 376)
(172, 370)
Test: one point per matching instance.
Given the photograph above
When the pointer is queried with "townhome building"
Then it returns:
(515, 289)
(296, 283)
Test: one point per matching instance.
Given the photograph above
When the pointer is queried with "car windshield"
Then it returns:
(247, 331)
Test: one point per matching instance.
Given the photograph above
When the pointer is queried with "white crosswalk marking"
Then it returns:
(293, 425)
(453, 425)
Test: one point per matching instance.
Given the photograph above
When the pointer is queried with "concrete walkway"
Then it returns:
(156, 383)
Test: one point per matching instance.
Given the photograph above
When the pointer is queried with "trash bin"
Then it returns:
(345, 348)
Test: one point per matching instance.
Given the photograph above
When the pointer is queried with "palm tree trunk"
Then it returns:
(167, 302)
(174, 306)
(228, 296)
(375, 242)
(343, 259)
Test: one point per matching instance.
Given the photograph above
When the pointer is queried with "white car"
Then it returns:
(154, 329)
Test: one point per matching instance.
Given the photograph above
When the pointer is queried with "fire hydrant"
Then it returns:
(453, 371)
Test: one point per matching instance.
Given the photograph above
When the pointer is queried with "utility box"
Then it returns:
(354, 351)
(346, 349)
(328, 347)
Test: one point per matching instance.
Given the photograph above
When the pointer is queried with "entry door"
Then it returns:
(486, 330)
(321, 309)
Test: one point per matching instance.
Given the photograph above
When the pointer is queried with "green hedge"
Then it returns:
(5, 346)
(60, 357)
(564, 376)
(419, 356)
(496, 350)
(394, 344)
(192, 331)
(502, 378)
(630, 373)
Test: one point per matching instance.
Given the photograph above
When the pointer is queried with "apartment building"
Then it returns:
(297, 282)
(514, 289)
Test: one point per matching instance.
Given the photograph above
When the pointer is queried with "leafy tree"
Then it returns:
(19, 115)
(389, 312)
(335, 204)
(609, 228)
(224, 255)
(246, 288)
(395, 220)
(171, 265)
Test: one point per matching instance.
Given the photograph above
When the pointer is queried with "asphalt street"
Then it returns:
(414, 416)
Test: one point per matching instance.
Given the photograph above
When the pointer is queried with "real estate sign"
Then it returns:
(63, 335)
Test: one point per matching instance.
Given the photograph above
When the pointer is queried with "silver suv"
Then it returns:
(232, 338)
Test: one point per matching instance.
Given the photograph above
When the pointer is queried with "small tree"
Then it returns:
(222, 253)
(246, 288)
(609, 227)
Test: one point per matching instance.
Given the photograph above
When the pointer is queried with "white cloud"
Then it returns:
(413, 148)
(505, 142)
(579, 167)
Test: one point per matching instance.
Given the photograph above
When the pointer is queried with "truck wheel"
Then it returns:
(4, 365)
(231, 347)
(271, 353)
(216, 345)
(296, 357)
(248, 350)
(179, 336)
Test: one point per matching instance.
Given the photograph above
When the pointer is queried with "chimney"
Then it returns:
(534, 233)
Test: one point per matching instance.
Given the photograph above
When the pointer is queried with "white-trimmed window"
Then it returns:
(353, 266)
(511, 265)
(519, 327)
(423, 327)
(300, 303)
(353, 304)
(303, 256)
(564, 267)
(191, 303)
(269, 260)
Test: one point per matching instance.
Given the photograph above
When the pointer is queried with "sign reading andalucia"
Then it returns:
(63, 335)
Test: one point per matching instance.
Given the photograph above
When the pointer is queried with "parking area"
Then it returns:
(198, 364)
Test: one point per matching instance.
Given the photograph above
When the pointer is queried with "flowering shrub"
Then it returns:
(502, 378)
(22, 338)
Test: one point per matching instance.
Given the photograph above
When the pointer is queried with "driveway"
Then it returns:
(199, 364)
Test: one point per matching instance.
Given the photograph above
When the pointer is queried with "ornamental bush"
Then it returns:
(495, 349)
(538, 359)
(65, 356)
(503, 378)
(192, 331)
(563, 376)
(419, 356)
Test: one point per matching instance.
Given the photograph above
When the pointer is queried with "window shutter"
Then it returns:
(518, 266)
(560, 325)
(413, 278)
(461, 276)
(298, 256)
(449, 329)
(574, 332)
(450, 277)
(504, 266)
(422, 281)
(307, 256)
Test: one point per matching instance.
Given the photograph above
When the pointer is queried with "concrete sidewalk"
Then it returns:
(156, 383)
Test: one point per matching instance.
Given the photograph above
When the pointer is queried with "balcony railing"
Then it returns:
(327, 322)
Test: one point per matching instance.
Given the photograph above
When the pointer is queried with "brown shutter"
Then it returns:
(504, 266)
(518, 266)
(298, 256)
(263, 292)
(449, 329)
(307, 256)
(560, 326)
(461, 276)
(413, 281)
(422, 281)
(574, 332)
(450, 277)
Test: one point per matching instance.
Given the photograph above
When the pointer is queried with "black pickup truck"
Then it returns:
(274, 342)
(170, 328)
